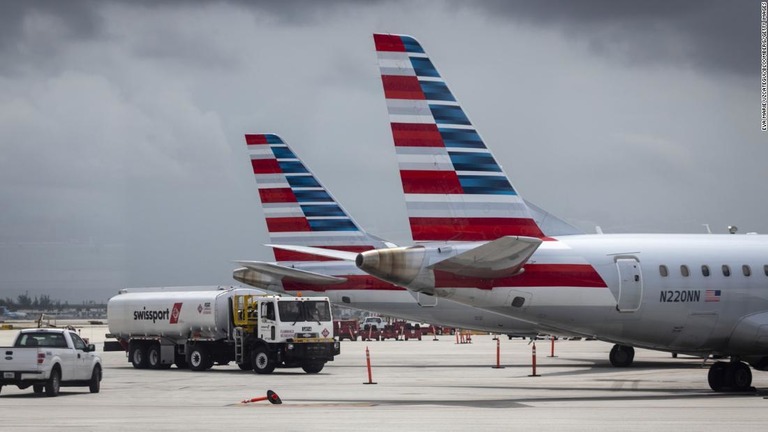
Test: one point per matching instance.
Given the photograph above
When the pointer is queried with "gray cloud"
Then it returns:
(713, 35)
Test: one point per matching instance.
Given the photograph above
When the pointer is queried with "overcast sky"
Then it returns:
(122, 160)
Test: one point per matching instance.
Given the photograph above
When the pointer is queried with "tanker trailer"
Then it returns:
(198, 329)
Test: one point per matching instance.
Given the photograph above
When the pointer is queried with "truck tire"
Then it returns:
(153, 357)
(261, 360)
(313, 367)
(199, 358)
(53, 383)
(94, 384)
(38, 388)
(139, 356)
(246, 365)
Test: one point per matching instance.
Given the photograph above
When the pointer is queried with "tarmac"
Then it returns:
(420, 386)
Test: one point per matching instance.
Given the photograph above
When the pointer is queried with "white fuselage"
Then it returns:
(614, 287)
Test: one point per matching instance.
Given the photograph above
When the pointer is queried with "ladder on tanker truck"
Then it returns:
(245, 308)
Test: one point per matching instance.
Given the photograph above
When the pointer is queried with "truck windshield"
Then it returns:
(293, 311)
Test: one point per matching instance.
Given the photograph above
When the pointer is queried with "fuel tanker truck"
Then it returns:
(198, 329)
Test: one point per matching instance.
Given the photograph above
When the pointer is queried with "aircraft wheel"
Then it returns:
(622, 355)
(738, 376)
(716, 376)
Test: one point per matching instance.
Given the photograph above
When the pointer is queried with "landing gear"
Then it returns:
(622, 355)
(733, 376)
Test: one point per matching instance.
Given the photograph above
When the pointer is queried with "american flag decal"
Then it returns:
(711, 296)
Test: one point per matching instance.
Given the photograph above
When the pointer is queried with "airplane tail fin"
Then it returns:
(298, 209)
(454, 187)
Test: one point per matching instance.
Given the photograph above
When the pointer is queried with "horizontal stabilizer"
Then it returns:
(329, 253)
(282, 272)
(502, 257)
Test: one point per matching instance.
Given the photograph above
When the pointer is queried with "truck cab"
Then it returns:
(285, 331)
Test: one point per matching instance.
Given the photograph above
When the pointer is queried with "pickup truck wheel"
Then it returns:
(313, 367)
(261, 361)
(52, 386)
(94, 385)
(38, 388)
(139, 356)
(199, 358)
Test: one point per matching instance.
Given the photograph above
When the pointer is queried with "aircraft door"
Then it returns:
(630, 285)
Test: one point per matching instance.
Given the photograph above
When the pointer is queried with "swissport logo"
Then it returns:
(155, 315)
(175, 313)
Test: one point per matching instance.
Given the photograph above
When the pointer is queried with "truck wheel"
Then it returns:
(199, 358)
(94, 385)
(262, 363)
(139, 356)
(38, 388)
(53, 383)
(153, 357)
(313, 367)
(246, 365)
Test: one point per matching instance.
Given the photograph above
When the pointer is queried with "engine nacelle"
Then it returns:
(403, 266)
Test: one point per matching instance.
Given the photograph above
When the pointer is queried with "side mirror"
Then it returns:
(90, 348)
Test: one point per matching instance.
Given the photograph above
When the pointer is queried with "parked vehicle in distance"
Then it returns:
(372, 321)
(47, 359)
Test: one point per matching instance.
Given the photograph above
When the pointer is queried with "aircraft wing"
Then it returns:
(279, 272)
(502, 257)
(330, 253)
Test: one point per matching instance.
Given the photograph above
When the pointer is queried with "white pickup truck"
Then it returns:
(47, 359)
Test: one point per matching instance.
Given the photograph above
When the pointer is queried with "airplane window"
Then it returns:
(705, 270)
(684, 270)
(746, 270)
(765, 269)
(663, 270)
(726, 270)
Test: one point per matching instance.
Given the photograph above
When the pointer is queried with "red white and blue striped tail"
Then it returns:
(298, 209)
(455, 190)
